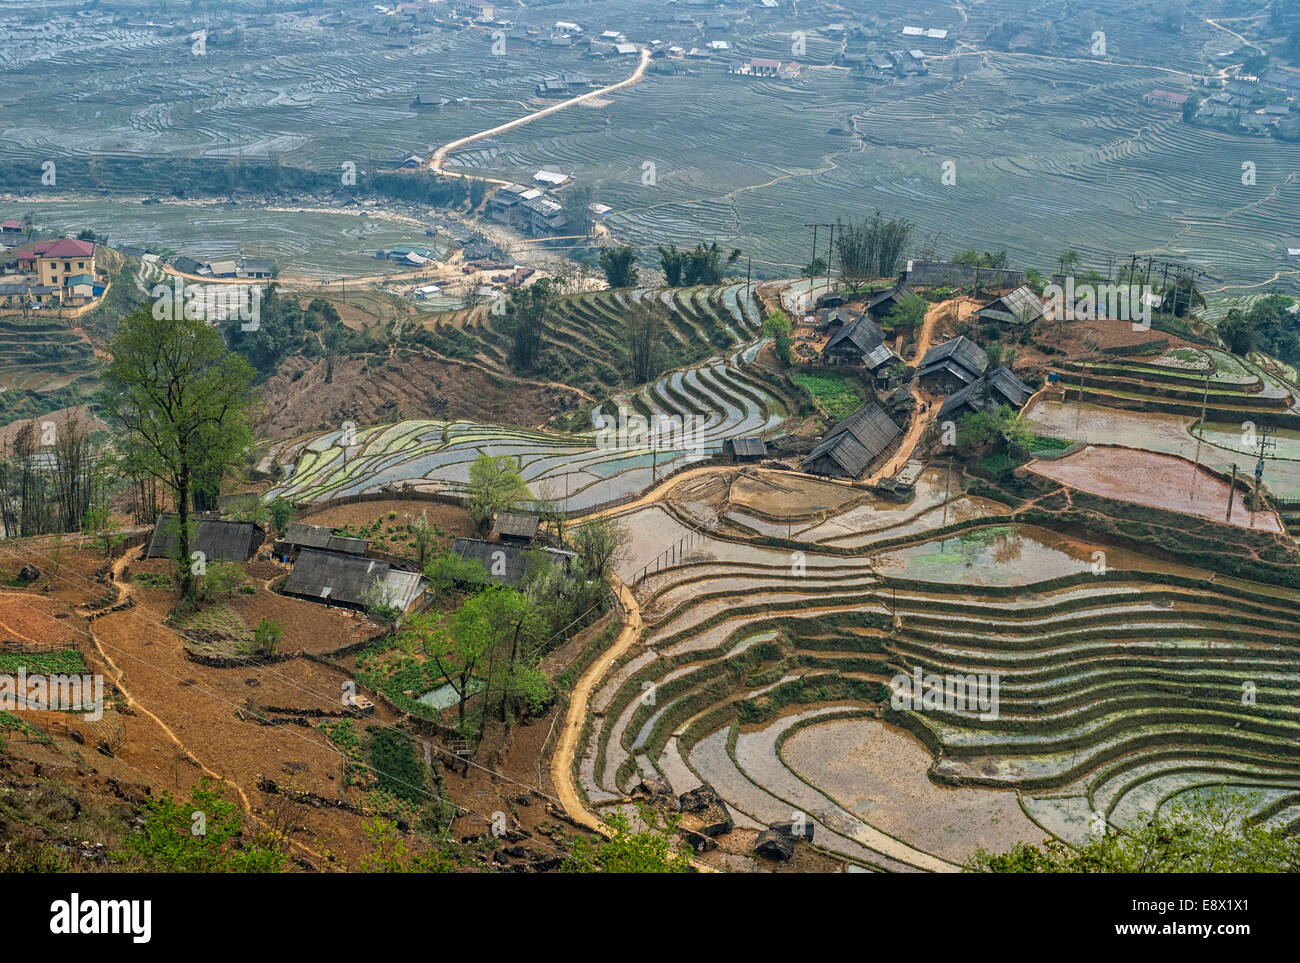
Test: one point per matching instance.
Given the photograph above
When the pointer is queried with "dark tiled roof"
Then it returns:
(1021, 306)
(890, 297)
(862, 335)
(999, 387)
(334, 577)
(506, 564)
(857, 441)
(960, 351)
(515, 525)
(749, 447)
(307, 536)
(218, 540)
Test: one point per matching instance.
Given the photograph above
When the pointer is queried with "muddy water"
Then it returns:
(1160, 481)
(1011, 555)
(879, 773)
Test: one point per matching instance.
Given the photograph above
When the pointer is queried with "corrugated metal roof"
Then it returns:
(506, 564)
(749, 447)
(1021, 306)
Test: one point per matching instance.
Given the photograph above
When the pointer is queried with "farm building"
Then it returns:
(479, 9)
(429, 102)
(879, 306)
(218, 540)
(257, 268)
(515, 527)
(300, 535)
(745, 449)
(953, 365)
(1021, 307)
(11, 229)
(506, 564)
(854, 342)
(552, 178)
(999, 387)
(849, 448)
(1165, 98)
(24, 291)
(338, 579)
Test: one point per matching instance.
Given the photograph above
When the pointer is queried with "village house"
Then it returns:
(354, 581)
(217, 539)
(506, 563)
(951, 366)
(26, 293)
(478, 9)
(299, 536)
(860, 342)
(11, 230)
(1020, 307)
(999, 387)
(745, 449)
(849, 449)
(1165, 98)
(878, 306)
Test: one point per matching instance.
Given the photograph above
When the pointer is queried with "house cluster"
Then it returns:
(47, 274)
(532, 209)
(958, 370)
(231, 266)
(1264, 105)
(327, 568)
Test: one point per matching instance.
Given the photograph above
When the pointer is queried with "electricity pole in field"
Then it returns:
(1267, 443)
(812, 265)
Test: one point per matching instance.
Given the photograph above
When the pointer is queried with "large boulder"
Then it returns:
(774, 845)
(29, 573)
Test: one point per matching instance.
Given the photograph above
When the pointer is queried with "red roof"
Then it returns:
(64, 247)
(12, 225)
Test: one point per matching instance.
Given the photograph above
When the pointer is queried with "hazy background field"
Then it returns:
(1052, 151)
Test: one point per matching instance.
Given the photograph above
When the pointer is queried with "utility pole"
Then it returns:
(1232, 491)
(1267, 443)
(749, 275)
(1196, 466)
(812, 279)
(830, 256)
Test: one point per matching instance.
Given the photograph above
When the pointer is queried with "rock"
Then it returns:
(29, 573)
(803, 831)
(517, 852)
(698, 799)
(546, 864)
(717, 820)
(653, 786)
(501, 858)
(774, 845)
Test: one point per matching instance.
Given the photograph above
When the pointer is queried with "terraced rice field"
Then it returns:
(704, 405)
(1161, 481)
(587, 334)
(1155, 404)
(764, 673)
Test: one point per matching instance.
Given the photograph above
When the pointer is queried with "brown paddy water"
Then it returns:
(1157, 480)
(880, 773)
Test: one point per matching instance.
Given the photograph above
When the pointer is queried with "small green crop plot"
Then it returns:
(836, 396)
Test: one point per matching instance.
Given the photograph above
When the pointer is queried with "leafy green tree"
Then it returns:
(390, 854)
(908, 312)
(494, 485)
(1237, 332)
(777, 327)
(282, 513)
(184, 402)
(201, 835)
(871, 248)
(619, 265)
(599, 543)
(815, 269)
(446, 570)
(648, 850)
(1212, 835)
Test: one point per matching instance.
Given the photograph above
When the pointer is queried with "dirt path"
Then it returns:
(440, 155)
